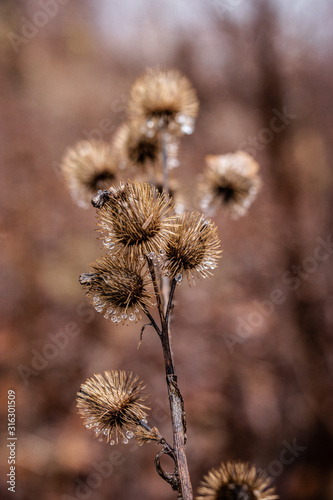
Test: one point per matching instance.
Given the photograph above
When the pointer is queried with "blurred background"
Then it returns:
(253, 345)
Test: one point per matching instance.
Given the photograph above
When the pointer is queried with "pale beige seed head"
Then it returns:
(230, 182)
(88, 167)
(236, 481)
(112, 405)
(137, 145)
(164, 99)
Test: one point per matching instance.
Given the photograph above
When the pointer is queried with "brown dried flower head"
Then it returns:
(230, 181)
(88, 167)
(145, 434)
(135, 218)
(137, 145)
(164, 99)
(118, 288)
(112, 405)
(194, 248)
(236, 481)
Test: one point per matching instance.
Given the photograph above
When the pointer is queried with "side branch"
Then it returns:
(156, 290)
(153, 322)
(172, 479)
(168, 309)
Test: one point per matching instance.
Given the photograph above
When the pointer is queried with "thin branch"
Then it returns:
(156, 290)
(154, 435)
(153, 322)
(165, 287)
(172, 479)
(141, 333)
(172, 291)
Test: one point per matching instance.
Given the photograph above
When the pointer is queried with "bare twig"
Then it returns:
(152, 321)
(172, 479)
(169, 306)
(155, 285)
(141, 333)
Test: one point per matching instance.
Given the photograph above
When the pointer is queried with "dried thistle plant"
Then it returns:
(112, 405)
(193, 248)
(150, 247)
(229, 181)
(118, 288)
(164, 99)
(135, 218)
(137, 145)
(87, 167)
(236, 481)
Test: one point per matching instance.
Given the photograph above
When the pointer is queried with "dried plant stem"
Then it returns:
(164, 281)
(164, 299)
(178, 419)
(156, 290)
(175, 397)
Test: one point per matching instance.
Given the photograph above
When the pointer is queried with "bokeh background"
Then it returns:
(253, 345)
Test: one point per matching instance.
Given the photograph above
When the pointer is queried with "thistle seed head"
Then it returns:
(136, 219)
(193, 249)
(164, 99)
(146, 435)
(112, 405)
(137, 145)
(117, 288)
(87, 167)
(236, 481)
(230, 181)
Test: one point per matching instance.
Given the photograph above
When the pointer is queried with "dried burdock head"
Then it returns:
(88, 167)
(112, 405)
(229, 181)
(236, 481)
(137, 145)
(194, 248)
(118, 288)
(164, 99)
(136, 220)
(145, 434)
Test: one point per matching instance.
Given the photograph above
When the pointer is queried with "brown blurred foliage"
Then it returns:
(253, 345)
